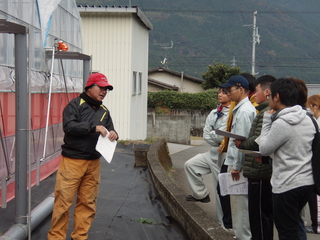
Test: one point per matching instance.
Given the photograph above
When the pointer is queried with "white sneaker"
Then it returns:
(229, 230)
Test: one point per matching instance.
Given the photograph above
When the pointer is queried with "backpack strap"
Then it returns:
(314, 122)
(315, 160)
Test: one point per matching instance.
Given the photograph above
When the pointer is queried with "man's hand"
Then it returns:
(235, 174)
(102, 130)
(112, 136)
(237, 142)
(258, 159)
(271, 111)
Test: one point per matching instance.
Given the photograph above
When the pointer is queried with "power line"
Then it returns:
(243, 64)
(228, 11)
(241, 57)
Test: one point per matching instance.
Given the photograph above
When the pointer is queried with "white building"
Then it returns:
(165, 79)
(313, 89)
(118, 40)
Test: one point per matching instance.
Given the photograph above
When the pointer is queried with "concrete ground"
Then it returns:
(181, 153)
(128, 205)
(128, 199)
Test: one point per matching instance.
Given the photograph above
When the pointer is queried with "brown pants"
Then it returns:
(81, 177)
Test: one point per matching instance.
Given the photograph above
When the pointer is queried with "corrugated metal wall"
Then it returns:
(118, 43)
(139, 59)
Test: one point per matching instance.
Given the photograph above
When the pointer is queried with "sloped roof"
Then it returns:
(163, 85)
(114, 9)
(166, 70)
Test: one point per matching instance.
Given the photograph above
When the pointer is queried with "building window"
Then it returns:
(140, 83)
(134, 83)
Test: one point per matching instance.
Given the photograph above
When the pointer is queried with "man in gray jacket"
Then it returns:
(206, 163)
(243, 116)
(286, 136)
(258, 172)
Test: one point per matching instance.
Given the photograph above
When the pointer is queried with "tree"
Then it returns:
(217, 74)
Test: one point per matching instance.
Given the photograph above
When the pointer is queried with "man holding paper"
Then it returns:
(243, 115)
(84, 119)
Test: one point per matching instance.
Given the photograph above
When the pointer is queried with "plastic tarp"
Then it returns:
(128, 206)
(46, 8)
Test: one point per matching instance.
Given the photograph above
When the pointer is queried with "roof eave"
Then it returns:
(176, 73)
(163, 85)
(106, 9)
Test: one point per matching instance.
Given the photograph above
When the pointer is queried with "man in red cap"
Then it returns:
(84, 119)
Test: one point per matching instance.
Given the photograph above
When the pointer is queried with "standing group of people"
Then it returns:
(272, 115)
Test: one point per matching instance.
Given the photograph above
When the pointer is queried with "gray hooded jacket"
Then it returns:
(286, 137)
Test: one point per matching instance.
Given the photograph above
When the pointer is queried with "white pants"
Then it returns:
(203, 164)
(240, 215)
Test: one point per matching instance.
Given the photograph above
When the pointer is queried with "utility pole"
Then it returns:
(255, 40)
(233, 62)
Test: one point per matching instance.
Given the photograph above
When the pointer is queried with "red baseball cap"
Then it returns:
(99, 79)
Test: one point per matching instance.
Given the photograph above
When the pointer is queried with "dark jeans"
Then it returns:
(302, 230)
(314, 212)
(286, 210)
(260, 209)
(225, 203)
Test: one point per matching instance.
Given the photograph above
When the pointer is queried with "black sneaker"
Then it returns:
(190, 198)
(309, 229)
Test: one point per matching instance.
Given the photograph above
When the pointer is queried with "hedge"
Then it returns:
(206, 100)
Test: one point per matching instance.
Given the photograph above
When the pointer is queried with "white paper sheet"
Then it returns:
(230, 187)
(250, 153)
(229, 134)
(258, 140)
(106, 148)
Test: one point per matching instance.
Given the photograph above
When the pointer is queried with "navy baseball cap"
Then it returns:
(237, 80)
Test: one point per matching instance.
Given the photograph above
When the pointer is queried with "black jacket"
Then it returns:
(251, 168)
(79, 125)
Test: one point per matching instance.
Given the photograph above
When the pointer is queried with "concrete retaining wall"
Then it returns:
(190, 216)
(172, 127)
(177, 125)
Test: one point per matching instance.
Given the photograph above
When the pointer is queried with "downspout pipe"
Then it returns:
(21, 153)
(20, 231)
(182, 77)
(86, 71)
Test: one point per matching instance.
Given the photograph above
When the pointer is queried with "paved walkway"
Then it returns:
(179, 155)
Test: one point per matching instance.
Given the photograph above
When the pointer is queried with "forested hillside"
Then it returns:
(207, 31)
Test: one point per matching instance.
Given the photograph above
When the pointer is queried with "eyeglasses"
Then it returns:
(228, 91)
(103, 88)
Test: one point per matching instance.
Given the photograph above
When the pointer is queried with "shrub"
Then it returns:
(206, 100)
